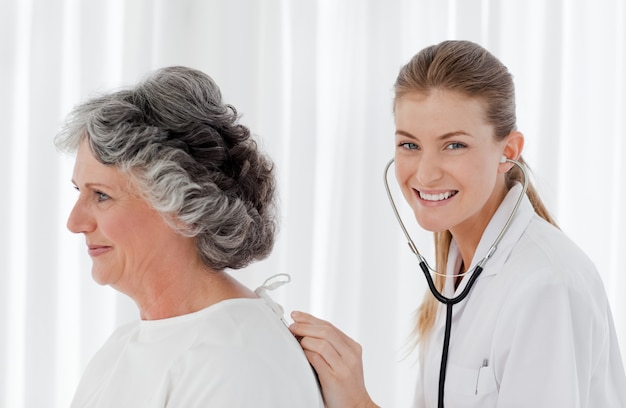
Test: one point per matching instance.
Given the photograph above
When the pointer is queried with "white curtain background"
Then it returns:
(313, 79)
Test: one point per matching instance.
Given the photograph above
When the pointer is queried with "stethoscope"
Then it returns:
(475, 273)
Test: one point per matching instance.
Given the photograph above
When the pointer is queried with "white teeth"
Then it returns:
(436, 197)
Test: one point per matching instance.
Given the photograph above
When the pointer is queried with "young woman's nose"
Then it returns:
(80, 220)
(428, 169)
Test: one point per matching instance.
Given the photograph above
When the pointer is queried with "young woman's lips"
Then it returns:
(96, 250)
(435, 198)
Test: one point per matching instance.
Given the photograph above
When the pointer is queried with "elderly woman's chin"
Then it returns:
(104, 274)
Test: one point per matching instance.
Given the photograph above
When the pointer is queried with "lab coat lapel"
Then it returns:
(518, 225)
(491, 268)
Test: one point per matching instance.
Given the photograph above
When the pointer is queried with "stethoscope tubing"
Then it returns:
(449, 302)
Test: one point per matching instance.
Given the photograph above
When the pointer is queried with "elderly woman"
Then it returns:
(172, 192)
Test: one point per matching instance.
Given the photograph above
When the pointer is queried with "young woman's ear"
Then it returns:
(514, 145)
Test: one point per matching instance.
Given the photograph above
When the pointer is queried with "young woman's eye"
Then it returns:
(455, 146)
(409, 146)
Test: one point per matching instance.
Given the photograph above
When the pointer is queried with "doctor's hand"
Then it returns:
(336, 358)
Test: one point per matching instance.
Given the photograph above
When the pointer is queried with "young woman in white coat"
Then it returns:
(536, 328)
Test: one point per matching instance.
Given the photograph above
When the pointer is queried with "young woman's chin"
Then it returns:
(431, 225)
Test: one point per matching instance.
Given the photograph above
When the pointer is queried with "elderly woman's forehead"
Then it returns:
(89, 170)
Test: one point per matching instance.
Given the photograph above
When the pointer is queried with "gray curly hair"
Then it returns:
(190, 159)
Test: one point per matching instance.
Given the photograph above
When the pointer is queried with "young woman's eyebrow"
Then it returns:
(447, 135)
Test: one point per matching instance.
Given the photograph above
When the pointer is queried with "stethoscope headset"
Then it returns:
(475, 273)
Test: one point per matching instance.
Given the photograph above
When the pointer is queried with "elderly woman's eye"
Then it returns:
(102, 196)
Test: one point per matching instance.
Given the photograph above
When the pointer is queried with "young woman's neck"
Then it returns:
(468, 234)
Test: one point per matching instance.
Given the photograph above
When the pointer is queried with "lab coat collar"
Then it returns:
(519, 223)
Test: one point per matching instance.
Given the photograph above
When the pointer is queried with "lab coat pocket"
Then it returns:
(470, 387)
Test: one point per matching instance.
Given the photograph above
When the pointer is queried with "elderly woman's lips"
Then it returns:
(95, 250)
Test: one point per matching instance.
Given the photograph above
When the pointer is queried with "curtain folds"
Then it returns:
(313, 80)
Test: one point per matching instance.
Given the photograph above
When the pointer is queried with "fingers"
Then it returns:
(309, 325)
(326, 347)
(302, 317)
(336, 358)
(306, 325)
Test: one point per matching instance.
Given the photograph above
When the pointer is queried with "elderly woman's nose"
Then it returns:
(80, 219)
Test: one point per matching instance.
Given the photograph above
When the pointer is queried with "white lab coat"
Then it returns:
(535, 331)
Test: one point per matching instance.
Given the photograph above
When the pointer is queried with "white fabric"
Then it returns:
(536, 330)
(237, 353)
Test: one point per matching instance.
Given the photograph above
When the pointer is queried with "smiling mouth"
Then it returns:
(437, 197)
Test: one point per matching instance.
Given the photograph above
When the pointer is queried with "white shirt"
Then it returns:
(237, 353)
(536, 329)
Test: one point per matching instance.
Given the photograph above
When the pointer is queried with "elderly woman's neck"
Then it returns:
(179, 293)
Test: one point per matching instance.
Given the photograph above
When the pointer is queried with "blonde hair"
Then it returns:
(467, 68)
